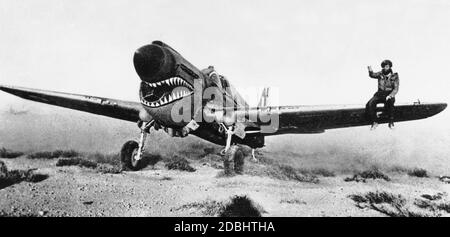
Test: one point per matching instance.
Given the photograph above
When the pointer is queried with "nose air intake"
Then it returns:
(151, 63)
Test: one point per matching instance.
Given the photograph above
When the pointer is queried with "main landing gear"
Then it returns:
(131, 152)
(233, 161)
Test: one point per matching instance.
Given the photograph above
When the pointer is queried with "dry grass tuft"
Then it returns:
(435, 197)
(76, 162)
(445, 179)
(53, 154)
(386, 203)
(112, 159)
(237, 206)
(101, 168)
(281, 172)
(223, 174)
(293, 201)
(208, 207)
(444, 207)
(434, 203)
(212, 160)
(373, 173)
(296, 174)
(166, 178)
(323, 172)
(109, 169)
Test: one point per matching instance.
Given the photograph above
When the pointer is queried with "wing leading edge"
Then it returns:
(118, 109)
(317, 119)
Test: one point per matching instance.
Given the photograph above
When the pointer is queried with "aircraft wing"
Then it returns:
(317, 119)
(118, 109)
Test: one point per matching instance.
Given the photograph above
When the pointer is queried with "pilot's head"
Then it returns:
(386, 66)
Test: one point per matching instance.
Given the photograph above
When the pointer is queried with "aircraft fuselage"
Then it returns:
(173, 92)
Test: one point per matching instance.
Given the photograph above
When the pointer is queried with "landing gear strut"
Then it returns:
(131, 152)
(253, 155)
(233, 156)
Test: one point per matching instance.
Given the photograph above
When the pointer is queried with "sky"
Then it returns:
(308, 52)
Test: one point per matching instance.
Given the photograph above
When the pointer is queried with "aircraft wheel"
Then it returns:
(239, 161)
(128, 154)
(234, 161)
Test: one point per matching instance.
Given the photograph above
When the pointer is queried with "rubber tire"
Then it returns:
(239, 160)
(127, 153)
(233, 162)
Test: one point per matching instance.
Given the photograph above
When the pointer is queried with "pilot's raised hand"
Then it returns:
(369, 68)
(389, 97)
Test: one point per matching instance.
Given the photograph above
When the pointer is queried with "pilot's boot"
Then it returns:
(391, 125)
(374, 126)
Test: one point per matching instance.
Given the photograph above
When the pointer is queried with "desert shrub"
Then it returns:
(417, 172)
(241, 206)
(10, 177)
(179, 163)
(237, 206)
(4, 153)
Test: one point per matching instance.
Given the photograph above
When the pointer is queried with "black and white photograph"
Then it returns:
(252, 108)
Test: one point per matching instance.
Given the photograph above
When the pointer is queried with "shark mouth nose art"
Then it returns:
(164, 92)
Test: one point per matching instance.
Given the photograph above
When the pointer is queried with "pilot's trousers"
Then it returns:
(380, 97)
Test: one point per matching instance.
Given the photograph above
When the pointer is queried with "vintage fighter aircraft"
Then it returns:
(172, 87)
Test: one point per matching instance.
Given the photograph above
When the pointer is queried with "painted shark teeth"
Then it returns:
(180, 89)
(173, 81)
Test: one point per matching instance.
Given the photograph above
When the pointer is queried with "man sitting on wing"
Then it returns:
(388, 84)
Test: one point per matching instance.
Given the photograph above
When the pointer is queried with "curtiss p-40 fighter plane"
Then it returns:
(181, 99)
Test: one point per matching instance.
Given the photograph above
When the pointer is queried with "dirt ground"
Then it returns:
(157, 191)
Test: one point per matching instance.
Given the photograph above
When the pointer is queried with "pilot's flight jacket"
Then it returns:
(386, 83)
